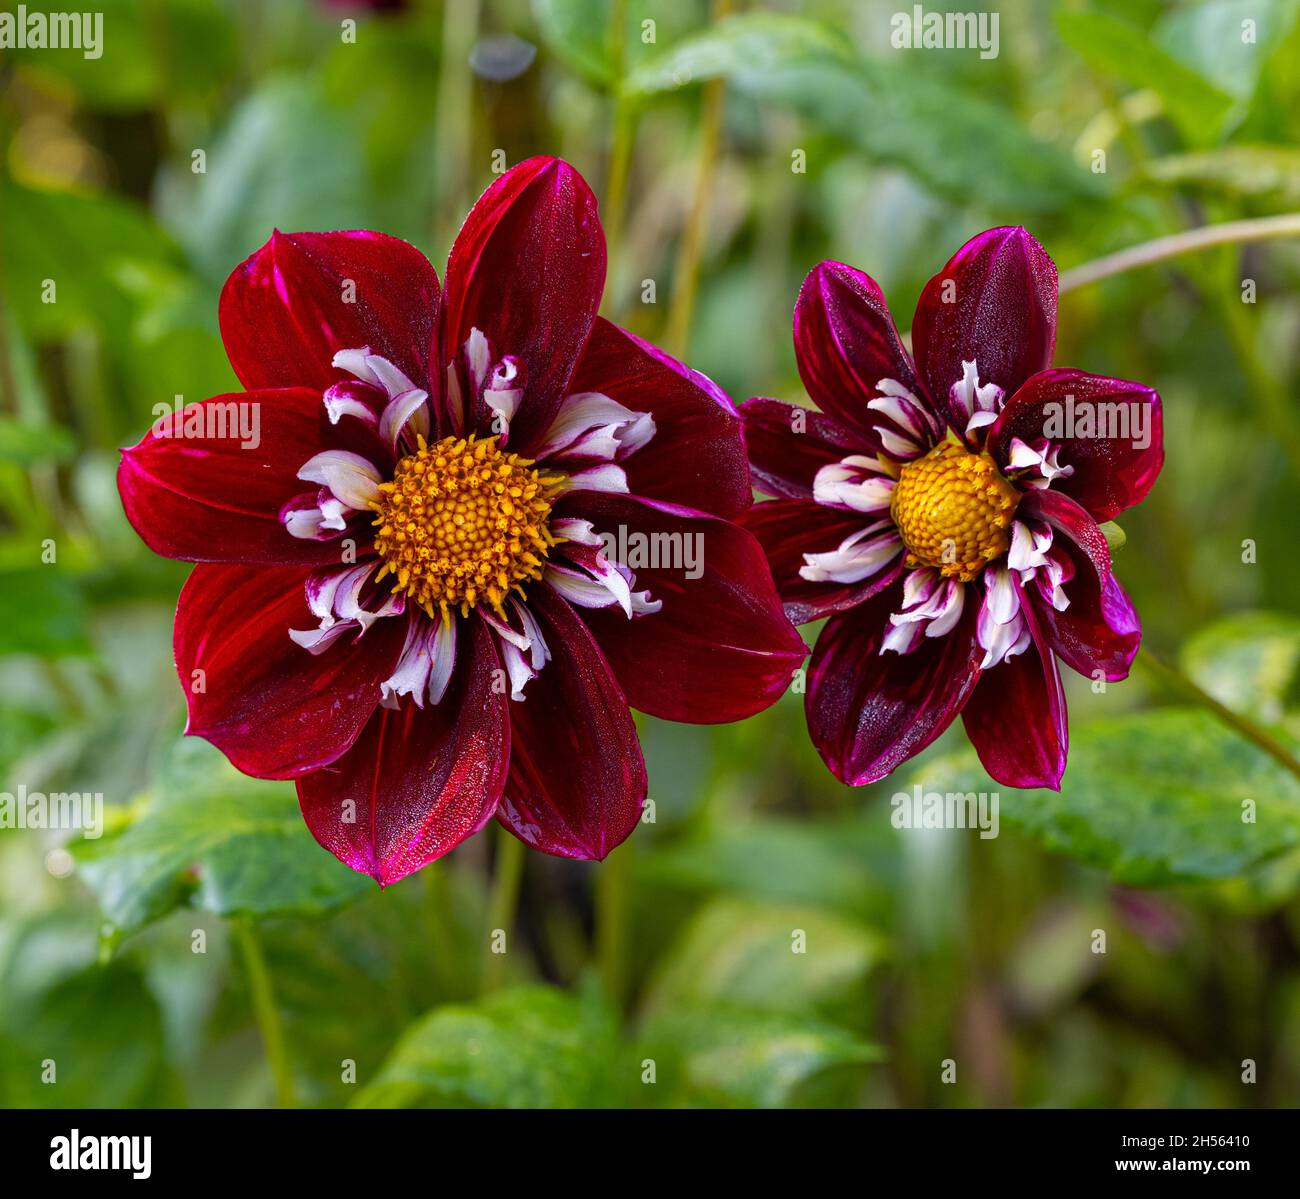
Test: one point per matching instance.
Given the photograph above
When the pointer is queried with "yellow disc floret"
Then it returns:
(462, 522)
(953, 510)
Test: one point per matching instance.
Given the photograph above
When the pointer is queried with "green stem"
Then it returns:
(502, 904)
(1162, 248)
(620, 154)
(686, 277)
(264, 1009)
(440, 916)
(611, 921)
(1247, 728)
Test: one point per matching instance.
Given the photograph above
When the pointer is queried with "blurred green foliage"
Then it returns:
(133, 183)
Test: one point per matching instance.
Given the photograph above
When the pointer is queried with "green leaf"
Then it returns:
(1208, 38)
(719, 1055)
(41, 612)
(528, 1047)
(1260, 171)
(218, 840)
(768, 957)
(1115, 48)
(885, 109)
(575, 32)
(1247, 662)
(1153, 798)
(24, 442)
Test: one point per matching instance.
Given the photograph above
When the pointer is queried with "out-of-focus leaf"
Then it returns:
(766, 956)
(1211, 38)
(216, 839)
(1154, 798)
(1247, 661)
(41, 612)
(575, 31)
(1257, 171)
(528, 1047)
(719, 1055)
(1118, 49)
(24, 442)
(882, 108)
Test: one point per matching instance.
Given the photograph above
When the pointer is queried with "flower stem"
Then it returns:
(502, 905)
(611, 922)
(1203, 238)
(620, 155)
(1247, 728)
(687, 275)
(264, 1009)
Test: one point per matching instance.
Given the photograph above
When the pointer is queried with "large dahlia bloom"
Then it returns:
(942, 509)
(471, 526)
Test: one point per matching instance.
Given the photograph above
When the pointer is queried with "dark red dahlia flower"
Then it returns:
(942, 510)
(469, 528)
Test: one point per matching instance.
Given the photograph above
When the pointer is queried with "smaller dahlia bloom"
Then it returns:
(447, 537)
(942, 510)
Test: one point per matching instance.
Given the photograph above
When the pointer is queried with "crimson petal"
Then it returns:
(527, 270)
(994, 303)
(845, 342)
(789, 444)
(417, 782)
(870, 712)
(287, 309)
(697, 455)
(577, 778)
(789, 529)
(271, 707)
(1099, 633)
(1017, 720)
(208, 499)
(720, 648)
(1110, 474)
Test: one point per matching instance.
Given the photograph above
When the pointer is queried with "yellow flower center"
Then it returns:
(953, 510)
(462, 522)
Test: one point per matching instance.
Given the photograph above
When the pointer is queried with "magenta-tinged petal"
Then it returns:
(845, 343)
(577, 779)
(289, 308)
(1100, 630)
(697, 456)
(417, 782)
(788, 445)
(720, 648)
(993, 304)
(789, 529)
(271, 707)
(1017, 719)
(216, 499)
(527, 270)
(1110, 433)
(870, 712)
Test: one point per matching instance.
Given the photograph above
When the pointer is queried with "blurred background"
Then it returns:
(1132, 941)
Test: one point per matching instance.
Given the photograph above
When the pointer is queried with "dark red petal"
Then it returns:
(287, 309)
(417, 782)
(870, 712)
(212, 500)
(697, 455)
(789, 529)
(527, 270)
(995, 303)
(1100, 630)
(1110, 473)
(845, 342)
(1017, 720)
(271, 707)
(788, 445)
(720, 648)
(577, 779)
